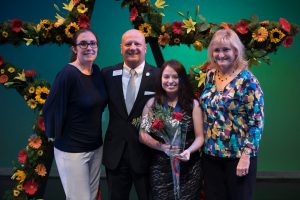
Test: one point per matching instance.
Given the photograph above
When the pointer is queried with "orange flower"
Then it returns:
(35, 142)
(225, 25)
(164, 39)
(260, 34)
(266, 22)
(19, 175)
(41, 170)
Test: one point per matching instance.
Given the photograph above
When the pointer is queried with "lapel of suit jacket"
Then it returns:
(146, 78)
(118, 81)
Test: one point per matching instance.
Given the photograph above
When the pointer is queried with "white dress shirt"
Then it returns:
(126, 76)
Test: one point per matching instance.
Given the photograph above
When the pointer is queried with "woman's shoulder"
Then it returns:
(150, 102)
(66, 73)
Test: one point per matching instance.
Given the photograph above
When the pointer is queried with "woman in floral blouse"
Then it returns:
(232, 102)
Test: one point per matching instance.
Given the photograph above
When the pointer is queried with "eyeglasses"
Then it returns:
(85, 44)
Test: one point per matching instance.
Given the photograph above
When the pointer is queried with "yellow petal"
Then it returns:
(28, 41)
(69, 6)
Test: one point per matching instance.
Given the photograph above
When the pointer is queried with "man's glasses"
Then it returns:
(85, 44)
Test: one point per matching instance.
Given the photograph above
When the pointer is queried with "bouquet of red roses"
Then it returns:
(167, 124)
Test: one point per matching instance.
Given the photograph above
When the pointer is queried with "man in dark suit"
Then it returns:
(127, 160)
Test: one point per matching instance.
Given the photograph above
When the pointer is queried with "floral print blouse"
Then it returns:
(234, 117)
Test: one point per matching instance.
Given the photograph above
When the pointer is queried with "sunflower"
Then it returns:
(260, 34)
(40, 170)
(58, 38)
(31, 103)
(46, 24)
(81, 8)
(71, 29)
(20, 187)
(41, 94)
(5, 34)
(177, 41)
(11, 70)
(145, 29)
(31, 90)
(276, 35)
(16, 193)
(35, 142)
(40, 152)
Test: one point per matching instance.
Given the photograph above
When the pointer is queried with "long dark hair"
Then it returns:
(185, 92)
(74, 41)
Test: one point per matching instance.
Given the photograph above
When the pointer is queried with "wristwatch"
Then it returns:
(247, 151)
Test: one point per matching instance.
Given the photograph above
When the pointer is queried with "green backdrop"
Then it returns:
(280, 80)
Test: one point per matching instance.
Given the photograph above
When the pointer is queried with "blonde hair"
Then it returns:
(228, 37)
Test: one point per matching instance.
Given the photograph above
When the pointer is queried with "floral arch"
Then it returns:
(30, 172)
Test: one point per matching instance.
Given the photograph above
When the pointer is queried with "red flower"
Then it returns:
(285, 25)
(157, 124)
(177, 27)
(30, 187)
(75, 2)
(83, 21)
(22, 156)
(133, 14)
(206, 66)
(3, 78)
(225, 25)
(41, 124)
(16, 25)
(287, 42)
(197, 94)
(177, 116)
(29, 72)
(1, 61)
(241, 27)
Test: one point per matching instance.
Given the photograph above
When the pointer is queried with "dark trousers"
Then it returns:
(120, 181)
(221, 181)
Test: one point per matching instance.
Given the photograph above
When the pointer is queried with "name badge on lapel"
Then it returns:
(149, 93)
(117, 72)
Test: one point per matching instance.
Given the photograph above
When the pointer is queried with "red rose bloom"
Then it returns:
(285, 25)
(177, 116)
(22, 156)
(133, 14)
(30, 187)
(29, 72)
(287, 42)
(157, 124)
(16, 25)
(241, 27)
(41, 124)
(177, 27)
(83, 21)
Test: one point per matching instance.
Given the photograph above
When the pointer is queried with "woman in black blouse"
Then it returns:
(73, 115)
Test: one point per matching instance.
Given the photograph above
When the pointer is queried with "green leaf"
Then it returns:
(259, 53)
(181, 14)
(56, 8)
(204, 27)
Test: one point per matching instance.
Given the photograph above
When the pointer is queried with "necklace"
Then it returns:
(223, 78)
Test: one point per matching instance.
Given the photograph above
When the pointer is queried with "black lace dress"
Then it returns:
(190, 171)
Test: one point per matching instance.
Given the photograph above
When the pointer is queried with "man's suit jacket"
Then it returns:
(121, 133)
